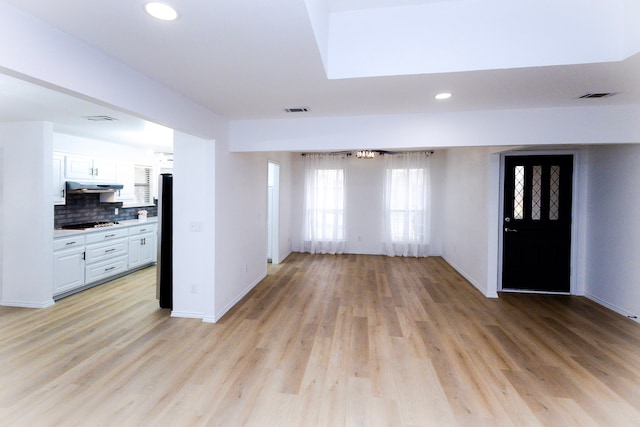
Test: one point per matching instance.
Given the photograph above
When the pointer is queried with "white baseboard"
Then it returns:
(25, 304)
(470, 279)
(187, 314)
(218, 316)
(612, 307)
(282, 258)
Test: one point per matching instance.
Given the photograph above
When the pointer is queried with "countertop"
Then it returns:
(126, 223)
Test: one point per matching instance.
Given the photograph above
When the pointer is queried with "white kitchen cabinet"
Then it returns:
(85, 168)
(106, 254)
(78, 167)
(58, 189)
(105, 170)
(106, 234)
(105, 269)
(106, 250)
(126, 177)
(88, 258)
(68, 264)
(143, 248)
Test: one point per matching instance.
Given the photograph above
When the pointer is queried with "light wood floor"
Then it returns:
(322, 341)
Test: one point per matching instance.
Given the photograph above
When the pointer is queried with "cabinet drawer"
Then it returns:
(108, 268)
(68, 242)
(106, 235)
(142, 229)
(107, 250)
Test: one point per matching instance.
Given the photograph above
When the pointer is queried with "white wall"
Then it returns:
(538, 127)
(364, 210)
(194, 234)
(241, 222)
(27, 214)
(465, 213)
(613, 238)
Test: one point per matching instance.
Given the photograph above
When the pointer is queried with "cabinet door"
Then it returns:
(68, 270)
(149, 249)
(142, 250)
(78, 167)
(135, 251)
(105, 170)
(126, 177)
(58, 179)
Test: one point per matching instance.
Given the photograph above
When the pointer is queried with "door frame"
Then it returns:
(576, 218)
(273, 215)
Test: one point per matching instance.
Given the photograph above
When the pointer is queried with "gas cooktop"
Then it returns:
(88, 225)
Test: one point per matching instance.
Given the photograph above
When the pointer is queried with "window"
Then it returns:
(142, 185)
(324, 204)
(406, 204)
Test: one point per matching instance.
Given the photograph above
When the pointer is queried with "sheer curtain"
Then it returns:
(324, 202)
(407, 200)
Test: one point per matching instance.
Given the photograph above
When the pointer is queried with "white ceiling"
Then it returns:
(249, 59)
(342, 5)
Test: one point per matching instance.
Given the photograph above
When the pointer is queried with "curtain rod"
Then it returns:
(392, 153)
(335, 153)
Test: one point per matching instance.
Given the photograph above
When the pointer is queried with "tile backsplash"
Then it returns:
(87, 208)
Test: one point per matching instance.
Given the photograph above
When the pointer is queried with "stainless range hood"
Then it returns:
(74, 187)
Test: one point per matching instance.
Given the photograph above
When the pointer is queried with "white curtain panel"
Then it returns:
(324, 203)
(407, 204)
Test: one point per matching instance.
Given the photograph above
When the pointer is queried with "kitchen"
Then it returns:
(105, 210)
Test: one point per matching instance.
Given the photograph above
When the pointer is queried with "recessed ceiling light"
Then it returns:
(443, 95)
(161, 11)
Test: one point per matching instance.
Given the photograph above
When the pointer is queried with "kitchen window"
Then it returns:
(142, 185)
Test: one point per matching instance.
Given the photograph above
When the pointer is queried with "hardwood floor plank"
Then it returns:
(323, 340)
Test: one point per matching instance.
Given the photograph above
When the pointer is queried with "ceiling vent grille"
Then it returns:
(101, 118)
(296, 110)
(597, 95)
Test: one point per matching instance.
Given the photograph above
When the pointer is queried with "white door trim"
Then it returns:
(577, 219)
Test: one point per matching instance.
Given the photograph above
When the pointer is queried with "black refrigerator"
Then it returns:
(164, 282)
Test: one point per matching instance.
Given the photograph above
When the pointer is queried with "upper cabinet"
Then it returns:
(136, 179)
(85, 168)
(125, 176)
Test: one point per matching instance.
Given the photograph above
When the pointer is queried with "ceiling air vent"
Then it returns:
(100, 118)
(296, 110)
(597, 95)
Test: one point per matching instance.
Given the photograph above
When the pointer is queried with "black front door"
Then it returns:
(536, 253)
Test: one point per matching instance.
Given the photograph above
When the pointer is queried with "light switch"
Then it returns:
(196, 226)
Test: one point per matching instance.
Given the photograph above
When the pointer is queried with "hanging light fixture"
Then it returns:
(365, 154)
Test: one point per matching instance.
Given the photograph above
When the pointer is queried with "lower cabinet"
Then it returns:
(86, 259)
(68, 269)
(142, 249)
(104, 269)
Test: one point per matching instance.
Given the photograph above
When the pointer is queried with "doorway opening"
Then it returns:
(273, 212)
